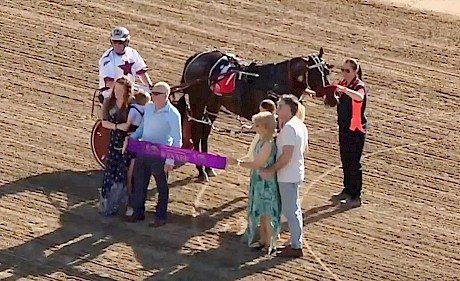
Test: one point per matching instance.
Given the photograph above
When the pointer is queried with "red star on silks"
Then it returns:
(126, 67)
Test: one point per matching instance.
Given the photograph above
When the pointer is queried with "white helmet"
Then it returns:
(120, 33)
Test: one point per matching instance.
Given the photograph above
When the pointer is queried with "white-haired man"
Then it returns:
(161, 124)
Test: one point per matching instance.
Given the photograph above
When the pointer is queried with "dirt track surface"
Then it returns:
(451, 7)
(407, 228)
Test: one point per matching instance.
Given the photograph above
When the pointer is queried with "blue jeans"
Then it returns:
(290, 207)
(144, 168)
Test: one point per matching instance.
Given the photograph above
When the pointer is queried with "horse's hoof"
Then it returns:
(202, 178)
(211, 173)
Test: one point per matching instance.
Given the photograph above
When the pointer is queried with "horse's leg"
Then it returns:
(213, 108)
(197, 132)
(197, 106)
(204, 146)
(187, 141)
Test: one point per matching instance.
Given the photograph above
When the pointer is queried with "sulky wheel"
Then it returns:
(100, 137)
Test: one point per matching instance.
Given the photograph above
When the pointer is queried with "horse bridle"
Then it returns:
(318, 63)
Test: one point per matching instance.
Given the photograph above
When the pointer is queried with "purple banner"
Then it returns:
(177, 154)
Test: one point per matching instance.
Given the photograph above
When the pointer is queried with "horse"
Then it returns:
(214, 79)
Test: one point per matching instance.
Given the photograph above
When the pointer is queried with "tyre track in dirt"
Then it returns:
(178, 29)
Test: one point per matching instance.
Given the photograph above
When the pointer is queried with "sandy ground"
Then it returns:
(407, 228)
(440, 6)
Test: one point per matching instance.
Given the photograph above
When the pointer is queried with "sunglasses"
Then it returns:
(156, 93)
(346, 70)
(119, 42)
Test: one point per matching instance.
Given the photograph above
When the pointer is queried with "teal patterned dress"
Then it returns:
(263, 199)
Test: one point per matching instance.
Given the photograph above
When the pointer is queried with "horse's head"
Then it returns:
(315, 74)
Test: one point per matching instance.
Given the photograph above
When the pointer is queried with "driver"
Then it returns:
(121, 60)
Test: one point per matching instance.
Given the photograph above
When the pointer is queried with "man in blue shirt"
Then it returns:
(161, 124)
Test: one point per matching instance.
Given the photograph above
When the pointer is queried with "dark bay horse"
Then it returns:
(252, 83)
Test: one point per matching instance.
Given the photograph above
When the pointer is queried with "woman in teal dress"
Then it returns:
(264, 204)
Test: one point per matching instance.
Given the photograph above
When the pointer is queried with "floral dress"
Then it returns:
(263, 199)
(114, 194)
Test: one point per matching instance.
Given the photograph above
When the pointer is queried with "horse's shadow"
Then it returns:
(83, 236)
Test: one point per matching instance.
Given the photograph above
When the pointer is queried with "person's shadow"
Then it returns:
(83, 236)
(319, 213)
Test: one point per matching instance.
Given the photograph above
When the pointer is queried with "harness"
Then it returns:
(226, 65)
(137, 109)
(133, 127)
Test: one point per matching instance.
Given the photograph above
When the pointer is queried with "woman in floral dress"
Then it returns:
(264, 203)
(114, 194)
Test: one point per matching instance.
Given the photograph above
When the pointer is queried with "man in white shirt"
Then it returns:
(292, 142)
(121, 60)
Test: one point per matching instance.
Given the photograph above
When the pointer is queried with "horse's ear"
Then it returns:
(330, 66)
(321, 52)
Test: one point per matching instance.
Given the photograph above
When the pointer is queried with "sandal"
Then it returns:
(271, 251)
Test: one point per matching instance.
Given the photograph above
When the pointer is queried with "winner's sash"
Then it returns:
(177, 154)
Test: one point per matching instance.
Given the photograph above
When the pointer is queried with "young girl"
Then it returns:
(264, 203)
(135, 115)
(265, 105)
(114, 115)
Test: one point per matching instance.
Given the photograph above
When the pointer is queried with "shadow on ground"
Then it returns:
(83, 236)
